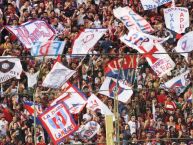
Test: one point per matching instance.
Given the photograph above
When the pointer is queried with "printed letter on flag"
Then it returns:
(110, 88)
(178, 84)
(73, 98)
(49, 49)
(152, 4)
(132, 20)
(58, 122)
(31, 32)
(160, 63)
(9, 68)
(94, 103)
(126, 66)
(177, 19)
(86, 40)
(185, 44)
(57, 76)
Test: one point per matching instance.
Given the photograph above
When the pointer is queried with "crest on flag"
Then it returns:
(58, 122)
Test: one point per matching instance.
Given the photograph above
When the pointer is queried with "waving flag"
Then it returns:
(58, 122)
(152, 4)
(177, 19)
(49, 49)
(31, 32)
(29, 106)
(185, 44)
(132, 20)
(110, 88)
(74, 99)
(9, 68)
(94, 103)
(57, 76)
(178, 84)
(86, 40)
(160, 63)
(126, 66)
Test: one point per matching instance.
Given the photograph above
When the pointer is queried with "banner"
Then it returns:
(110, 88)
(86, 40)
(132, 20)
(152, 4)
(9, 68)
(49, 49)
(57, 76)
(58, 122)
(94, 103)
(185, 44)
(74, 99)
(88, 130)
(177, 19)
(160, 63)
(177, 84)
(125, 66)
(29, 106)
(31, 32)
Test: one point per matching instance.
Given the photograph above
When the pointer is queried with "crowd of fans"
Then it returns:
(173, 125)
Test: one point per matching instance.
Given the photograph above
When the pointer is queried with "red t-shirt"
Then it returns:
(161, 98)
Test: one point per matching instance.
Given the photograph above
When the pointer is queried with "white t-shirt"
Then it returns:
(32, 79)
(133, 126)
(3, 124)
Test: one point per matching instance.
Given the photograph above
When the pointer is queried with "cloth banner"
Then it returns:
(94, 103)
(132, 20)
(9, 68)
(57, 76)
(185, 44)
(49, 49)
(86, 40)
(152, 4)
(125, 66)
(58, 122)
(110, 88)
(177, 19)
(74, 99)
(32, 31)
(88, 130)
(160, 63)
(177, 84)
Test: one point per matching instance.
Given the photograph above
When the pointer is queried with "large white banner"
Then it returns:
(152, 4)
(177, 19)
(94, 103)
(74, 99)
(58, 122)
(88, 130)
(160, 63)
(132, 20)
(49, 49)
(86, 40)
(31, 32)
(185, 44)
(110, 88)
(9, 68)
(57, 76)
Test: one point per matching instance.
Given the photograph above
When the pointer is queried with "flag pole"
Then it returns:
(34, 96)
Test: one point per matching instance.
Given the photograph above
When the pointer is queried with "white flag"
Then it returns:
(86, 40)
(132, 20)
(160, 63)
(185, 44)
(9, 68)
(73, 98)
(177, 19)
(94, 103)
(177, 84)
(110, 88)
(152, 4)
(57, 76)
